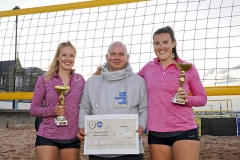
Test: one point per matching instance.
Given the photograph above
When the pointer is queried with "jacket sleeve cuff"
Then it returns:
(142, 124)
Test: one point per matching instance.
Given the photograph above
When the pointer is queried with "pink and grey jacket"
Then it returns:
(44, 91)
(162, 84)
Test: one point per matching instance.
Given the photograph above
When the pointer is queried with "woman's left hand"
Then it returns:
(182, 94)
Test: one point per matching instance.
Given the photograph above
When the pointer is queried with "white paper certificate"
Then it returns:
(111, 134)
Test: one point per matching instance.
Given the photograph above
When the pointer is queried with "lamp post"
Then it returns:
(14, 74)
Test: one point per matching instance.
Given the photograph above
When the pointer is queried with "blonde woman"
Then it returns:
(55, 142)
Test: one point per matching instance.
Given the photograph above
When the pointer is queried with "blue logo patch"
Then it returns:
(99, 124)
(122, 98)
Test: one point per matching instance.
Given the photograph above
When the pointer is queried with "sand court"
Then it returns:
(18, 143)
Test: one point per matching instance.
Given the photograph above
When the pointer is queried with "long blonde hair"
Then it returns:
(55, 63)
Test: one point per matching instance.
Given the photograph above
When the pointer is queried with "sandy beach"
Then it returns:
(17, 143)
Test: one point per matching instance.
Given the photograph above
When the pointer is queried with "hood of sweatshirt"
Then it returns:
(113, 76)
(116, 75)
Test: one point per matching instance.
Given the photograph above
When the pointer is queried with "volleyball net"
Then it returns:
(207, 34)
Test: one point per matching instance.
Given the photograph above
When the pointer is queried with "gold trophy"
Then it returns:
(183, 67)
(61, 90)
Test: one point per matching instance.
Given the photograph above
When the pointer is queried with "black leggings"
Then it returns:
(126, 157)
(41, 141)
(188, 135)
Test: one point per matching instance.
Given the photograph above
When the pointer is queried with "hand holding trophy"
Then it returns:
(61, 90)
(183, 67)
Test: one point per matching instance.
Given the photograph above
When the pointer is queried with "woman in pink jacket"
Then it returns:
(54, 141)
(173, 133)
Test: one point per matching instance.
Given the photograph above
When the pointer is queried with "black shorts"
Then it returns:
(126, 157)
(41, 141)
(188, 135)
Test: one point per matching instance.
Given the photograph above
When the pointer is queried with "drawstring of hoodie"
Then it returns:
(126, 71)
(99, 89)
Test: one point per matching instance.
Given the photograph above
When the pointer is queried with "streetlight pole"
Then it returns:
(15, 60)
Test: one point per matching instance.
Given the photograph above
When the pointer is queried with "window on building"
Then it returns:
(18, 83)
(27, 83)
(2, 81)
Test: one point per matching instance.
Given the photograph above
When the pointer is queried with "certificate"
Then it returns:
(111, 134)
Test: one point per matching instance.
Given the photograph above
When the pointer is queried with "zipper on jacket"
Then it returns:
(165, 70)
(163, 74)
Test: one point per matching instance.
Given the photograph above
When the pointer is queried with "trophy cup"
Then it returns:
(61, 90)
(183, 67)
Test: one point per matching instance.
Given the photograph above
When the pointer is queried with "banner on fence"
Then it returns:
(218, 126)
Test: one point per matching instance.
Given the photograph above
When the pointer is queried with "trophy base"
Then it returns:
(61, 123)
(178, 101)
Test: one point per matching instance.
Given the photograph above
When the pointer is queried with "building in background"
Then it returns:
(25, 78)
(31, 75)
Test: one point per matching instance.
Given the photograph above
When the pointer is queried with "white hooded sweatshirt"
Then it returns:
(118, 92)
